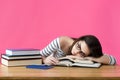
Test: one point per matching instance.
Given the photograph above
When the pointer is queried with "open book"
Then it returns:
(65, 61)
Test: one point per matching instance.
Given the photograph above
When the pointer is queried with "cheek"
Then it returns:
(72, 50)
(87, 53)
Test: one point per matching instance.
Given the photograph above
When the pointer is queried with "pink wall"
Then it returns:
(34, 23)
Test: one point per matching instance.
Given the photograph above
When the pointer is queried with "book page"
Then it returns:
(82, 60)
(65, 61)
(95, 65)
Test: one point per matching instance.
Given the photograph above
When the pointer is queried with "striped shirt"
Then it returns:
(112, 59)
(54, 48)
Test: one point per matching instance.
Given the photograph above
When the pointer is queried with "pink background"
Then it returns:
(34, 23)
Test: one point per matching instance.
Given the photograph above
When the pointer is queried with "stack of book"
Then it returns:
(21, 57)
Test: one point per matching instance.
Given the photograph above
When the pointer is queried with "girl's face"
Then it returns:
(80, 49)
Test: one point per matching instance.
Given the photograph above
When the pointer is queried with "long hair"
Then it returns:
(93, 44)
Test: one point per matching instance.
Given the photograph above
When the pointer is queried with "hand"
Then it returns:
(50, 60)
(103, 59)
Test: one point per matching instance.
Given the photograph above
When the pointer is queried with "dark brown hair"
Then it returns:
(93, 44)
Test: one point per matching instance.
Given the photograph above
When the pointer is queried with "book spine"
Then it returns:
(22, 59)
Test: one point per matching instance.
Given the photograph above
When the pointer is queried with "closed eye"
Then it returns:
(78, 46)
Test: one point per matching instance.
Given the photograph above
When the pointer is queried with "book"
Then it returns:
(14, 57)
(26, 51)
(70, 62)
(42, 66)
(21, 62)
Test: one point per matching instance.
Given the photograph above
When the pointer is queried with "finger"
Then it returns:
(54, 60)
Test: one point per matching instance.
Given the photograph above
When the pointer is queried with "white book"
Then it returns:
(22, 51)
(20, 56)
(69, 62)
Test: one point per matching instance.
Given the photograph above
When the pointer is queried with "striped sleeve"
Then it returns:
(112, 60)
(50, 48)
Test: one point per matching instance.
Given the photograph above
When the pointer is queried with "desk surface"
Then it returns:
(60, 73)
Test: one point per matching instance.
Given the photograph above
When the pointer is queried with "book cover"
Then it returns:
(21, 56)
(65, 61)
(21, 62)
(25, 51)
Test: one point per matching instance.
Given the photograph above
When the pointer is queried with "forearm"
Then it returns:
(105, 59)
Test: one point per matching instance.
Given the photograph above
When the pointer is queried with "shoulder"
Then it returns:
(65, 40)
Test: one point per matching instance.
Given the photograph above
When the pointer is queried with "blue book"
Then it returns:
(42, 66)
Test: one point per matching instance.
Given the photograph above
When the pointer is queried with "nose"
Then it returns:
(76, 52)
